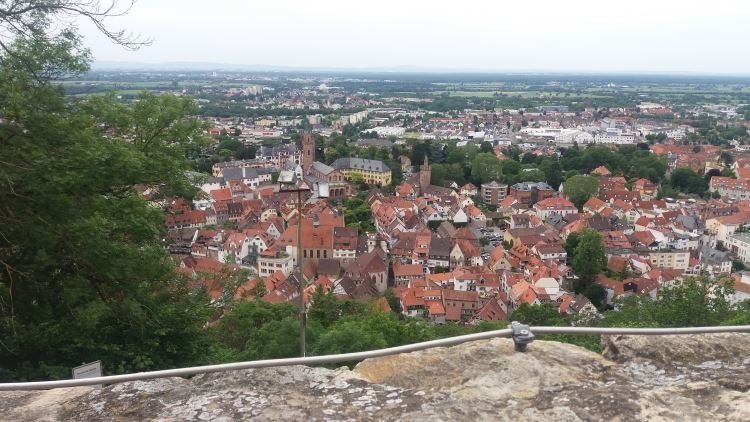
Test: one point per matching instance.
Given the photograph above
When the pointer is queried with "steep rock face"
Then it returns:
(681, 378)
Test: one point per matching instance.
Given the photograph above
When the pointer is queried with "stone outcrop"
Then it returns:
(703, 377)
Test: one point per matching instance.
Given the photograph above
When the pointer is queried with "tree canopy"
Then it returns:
(580, 188)
(688, 181)
(83, 274)
(587, 262)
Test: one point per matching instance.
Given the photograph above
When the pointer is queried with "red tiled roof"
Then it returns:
(407, 270)
(601, 170)
(435, 307)
(594, 204)
(555, 203)
(220, 195)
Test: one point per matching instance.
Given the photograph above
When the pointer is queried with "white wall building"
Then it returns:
(614, 136)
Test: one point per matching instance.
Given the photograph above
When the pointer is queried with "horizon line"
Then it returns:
(99, 65)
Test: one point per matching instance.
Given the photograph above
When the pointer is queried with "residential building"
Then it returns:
(189, 219)
(280, 155)
(493, 193)
(440, 253)
(250, 176)
(739, 245)
(556, 205)
(218, 169)
(737, 189)
(469, 189)
(529, 193)
(403, 274)
(275, 259)
(345, 244)
(546, 251)
(670, 259)
(645, 187)
(715, 262)
(720, 228)
(460, 305)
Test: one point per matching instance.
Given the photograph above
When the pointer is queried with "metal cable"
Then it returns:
(310, 360)
(346, 357)
(642, 331)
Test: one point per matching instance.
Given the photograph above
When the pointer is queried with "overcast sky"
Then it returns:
(548, 35)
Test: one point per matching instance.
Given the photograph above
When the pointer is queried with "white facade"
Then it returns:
(268, 266)
(460, 216)
(739, 244)
(614, 136)
(677, 260)
(345, 254)
(386, 131)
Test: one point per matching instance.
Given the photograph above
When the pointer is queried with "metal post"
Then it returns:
(302, 315)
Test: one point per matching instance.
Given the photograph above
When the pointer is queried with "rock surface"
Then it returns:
(703, 377)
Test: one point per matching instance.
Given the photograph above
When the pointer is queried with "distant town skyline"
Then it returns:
(475, 35)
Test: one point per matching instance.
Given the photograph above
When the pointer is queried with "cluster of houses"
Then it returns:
(435, 238)
(444, 256)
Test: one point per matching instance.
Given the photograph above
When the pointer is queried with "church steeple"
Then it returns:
(425, 175)
(308, 152)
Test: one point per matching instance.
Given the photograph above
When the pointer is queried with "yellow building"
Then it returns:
(265, 122)
(372, 172)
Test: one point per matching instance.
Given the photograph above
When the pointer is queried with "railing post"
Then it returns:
(522, 335)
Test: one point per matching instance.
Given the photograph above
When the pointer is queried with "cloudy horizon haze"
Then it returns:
(474, 35)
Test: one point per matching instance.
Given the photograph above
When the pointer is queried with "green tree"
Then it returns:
(571, 243)
(83, 272)
(324, 307)
(243, 322)
(580, 188)
(277, 339)
(589, 259)
(348, 337)
(393, 302)
(726, 158)
(552, 171)
(688, 181)
(356, 178)
(513, 152)
(439, 174)
(259, 290)
(695, 302)
(486, 167)
(727, 172)
(540, 315)
(528, 158)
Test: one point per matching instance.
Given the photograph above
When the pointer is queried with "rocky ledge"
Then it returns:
(702, 377)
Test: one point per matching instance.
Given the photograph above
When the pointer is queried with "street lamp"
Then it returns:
(288, 183)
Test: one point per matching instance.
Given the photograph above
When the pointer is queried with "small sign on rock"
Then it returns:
(88, 370)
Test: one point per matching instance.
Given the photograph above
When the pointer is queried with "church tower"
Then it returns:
(308, 152)
(425, 175)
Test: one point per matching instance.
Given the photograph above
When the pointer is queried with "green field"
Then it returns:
(485, 94)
